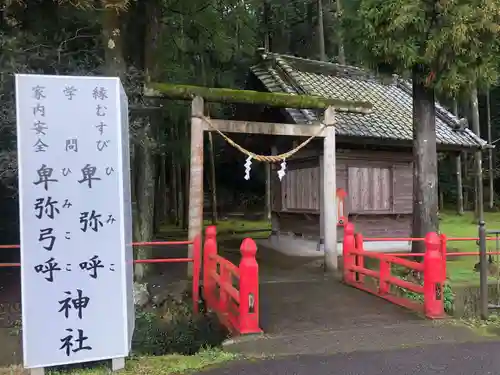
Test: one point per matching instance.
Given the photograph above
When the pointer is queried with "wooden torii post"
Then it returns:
(199, 124)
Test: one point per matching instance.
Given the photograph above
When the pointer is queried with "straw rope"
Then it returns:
(263, 158)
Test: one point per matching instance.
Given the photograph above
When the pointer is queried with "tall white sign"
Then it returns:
(75, 218)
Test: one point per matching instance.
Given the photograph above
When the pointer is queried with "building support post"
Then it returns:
(329, 201)
(195, 224)
(321, 241)
(269, 209)
(275, 222)
(460, 194)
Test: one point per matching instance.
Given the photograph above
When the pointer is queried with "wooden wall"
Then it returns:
(378, 185)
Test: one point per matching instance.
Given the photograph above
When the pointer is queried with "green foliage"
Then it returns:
(177, 332)
(59, 45)
(456, 40)
(448, 296)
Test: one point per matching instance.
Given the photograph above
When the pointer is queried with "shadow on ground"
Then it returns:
(304, 311)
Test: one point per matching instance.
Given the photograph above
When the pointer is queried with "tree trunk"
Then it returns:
(321, 32)
(340, 38)
(156, 216)
(211, 156)
(180, 195)
(491, 175)
(477, 157)
(160, 192)
(266, 14)
(145, 197)
(112, 40)
(458, 170)
(174, 192)
(425, 180)
(143, 166)
(466, 178)
(212, 179)
(148, 136)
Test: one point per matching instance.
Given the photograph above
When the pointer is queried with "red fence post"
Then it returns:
(347, 248)
(196, 273)
(433, 277)
(359, 260)
(384, 274)
(249, 289)
(224, 281)
(209, 251)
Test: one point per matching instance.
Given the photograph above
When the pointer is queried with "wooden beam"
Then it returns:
(281, 100)
(250, 127)
(195, 224)
(329, 201)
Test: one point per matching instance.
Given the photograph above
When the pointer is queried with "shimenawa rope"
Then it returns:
(263, 158)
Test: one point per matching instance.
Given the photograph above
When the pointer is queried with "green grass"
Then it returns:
(229, 229)
(161, 365)
(461, 269)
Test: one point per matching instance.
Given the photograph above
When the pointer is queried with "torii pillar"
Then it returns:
(328, 189)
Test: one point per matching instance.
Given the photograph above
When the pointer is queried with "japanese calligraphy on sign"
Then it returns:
(76, 244)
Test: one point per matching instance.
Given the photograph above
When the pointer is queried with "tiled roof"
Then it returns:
(392, 113)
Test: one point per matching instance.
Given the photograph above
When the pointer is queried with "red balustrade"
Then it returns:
(231, 291)
(433, 269)
(195, 259)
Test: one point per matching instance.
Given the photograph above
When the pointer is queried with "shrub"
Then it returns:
(448, 296)
(175, 329)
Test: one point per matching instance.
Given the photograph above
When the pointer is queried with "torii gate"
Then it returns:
(325, 130)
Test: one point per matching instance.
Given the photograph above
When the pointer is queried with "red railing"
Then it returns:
(195, 259)
(231, 291)
(444, 240)
(433, 269)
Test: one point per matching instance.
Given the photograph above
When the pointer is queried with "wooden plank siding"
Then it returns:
(300, 189)
(307, 225)
(379, 188)
(370, 189)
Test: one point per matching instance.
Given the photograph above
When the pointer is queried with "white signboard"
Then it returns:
(75, 218)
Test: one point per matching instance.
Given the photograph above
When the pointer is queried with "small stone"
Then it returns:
(141, 295)
(175, 292)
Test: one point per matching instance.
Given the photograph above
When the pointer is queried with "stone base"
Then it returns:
(291, 245)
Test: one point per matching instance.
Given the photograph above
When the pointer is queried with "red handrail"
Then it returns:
(413, 239)
(432, 269)
(195, 259)
(236, 306)
(150, 243)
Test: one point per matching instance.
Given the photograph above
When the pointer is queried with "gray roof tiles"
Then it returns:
(392, 115)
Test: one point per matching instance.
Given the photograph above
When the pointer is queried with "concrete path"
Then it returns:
(324, 304)
(302, 311)
(438, 359)
(354, 339)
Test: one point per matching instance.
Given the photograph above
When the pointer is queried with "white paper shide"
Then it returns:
(75, 217)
